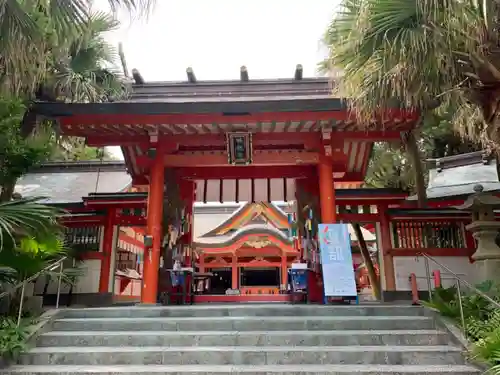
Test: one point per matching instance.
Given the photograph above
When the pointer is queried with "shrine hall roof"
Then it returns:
(456, 176)
(221, 240)
(226, 97)
(69, 182)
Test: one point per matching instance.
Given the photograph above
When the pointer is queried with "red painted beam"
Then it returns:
(197, 140)
(431, 252)
(353, 200)
(259, 159)
(207, 298)
(246, 172)
(358, 218)
(82, 224)
(140, 180)
(130, 221)
(126, 118)
(311, 139)
(72, 221)
(130, 240)
(106, 119)
(118, 203)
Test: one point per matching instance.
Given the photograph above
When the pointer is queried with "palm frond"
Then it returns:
(416, 53)
(388, 54)
(28, 218)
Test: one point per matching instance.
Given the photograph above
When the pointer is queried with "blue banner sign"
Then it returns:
(336, 260)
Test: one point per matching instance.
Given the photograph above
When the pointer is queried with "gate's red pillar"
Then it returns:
(326, 191)
(154, 229)
(328, 215)
(107, 252)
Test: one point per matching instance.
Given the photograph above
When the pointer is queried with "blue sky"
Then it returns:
(216, 37)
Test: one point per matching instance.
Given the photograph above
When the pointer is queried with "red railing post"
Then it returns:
(414, 289)
(437, 278)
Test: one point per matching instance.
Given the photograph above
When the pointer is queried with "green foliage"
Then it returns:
(32, 30)
(445, 301)
(423, 54)
(389, 168)
(74, 148)
(26, 219)
(18, 154)
(34, 257)
(74, 67)
(482, 320)
(13, 338)
(83, 68)
(389, 163)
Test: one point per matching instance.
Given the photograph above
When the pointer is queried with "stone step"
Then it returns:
(247, 370)
(244, 310)
(243, 355)
(235, 338)
(232, 323)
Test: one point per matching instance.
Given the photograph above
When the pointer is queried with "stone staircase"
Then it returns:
(245, 339)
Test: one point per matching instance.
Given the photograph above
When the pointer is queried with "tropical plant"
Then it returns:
(83, 69)
(422, 54)
(482, 319)
(389, 165)
(13, 337)
(19, 153)
(77, 68)
(26, 219)
(25, 25)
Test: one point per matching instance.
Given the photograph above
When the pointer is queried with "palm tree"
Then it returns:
(24, 27)
(84, 70)
(424, 55)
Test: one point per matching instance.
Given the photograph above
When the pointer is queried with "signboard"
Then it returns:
(239, 148)
(336, 260)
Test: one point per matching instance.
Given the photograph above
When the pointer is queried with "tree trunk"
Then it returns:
(372, 274)
(7, 191)
(414, 156)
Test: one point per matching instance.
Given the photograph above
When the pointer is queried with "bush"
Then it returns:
(13, 339)
(482, 320)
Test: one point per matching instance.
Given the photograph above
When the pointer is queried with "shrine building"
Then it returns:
(286, 147)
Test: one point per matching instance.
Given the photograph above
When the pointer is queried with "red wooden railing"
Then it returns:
(436, 237)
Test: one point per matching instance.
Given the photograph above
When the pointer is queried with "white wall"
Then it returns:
(112, 263)
(203, 223)
(87, 283)
(404, 266)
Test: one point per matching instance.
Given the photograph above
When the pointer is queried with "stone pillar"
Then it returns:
(485, 230)
(487, 255)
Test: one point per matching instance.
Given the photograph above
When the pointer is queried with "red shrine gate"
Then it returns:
(266, 140)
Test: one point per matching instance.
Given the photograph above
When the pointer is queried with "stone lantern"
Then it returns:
(485, 230)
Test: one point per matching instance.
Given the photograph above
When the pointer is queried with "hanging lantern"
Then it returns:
(239, 148)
